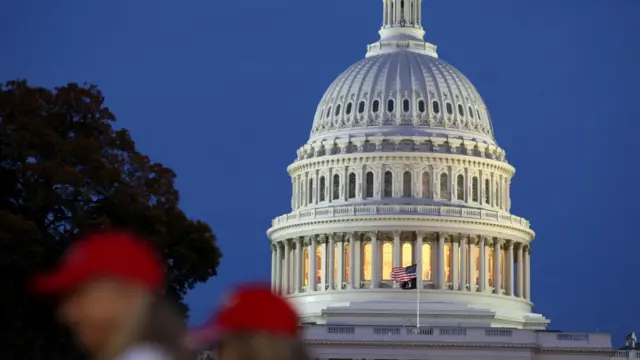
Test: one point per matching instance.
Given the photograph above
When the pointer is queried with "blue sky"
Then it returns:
(224, 92)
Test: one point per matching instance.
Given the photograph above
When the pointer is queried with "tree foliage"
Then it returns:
(65, 170)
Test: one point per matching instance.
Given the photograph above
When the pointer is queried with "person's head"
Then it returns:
(107, 283)
(254, 324)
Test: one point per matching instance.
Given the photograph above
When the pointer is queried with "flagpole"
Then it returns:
(417, 305)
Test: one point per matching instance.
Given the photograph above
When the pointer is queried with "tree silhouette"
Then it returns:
(65, 170)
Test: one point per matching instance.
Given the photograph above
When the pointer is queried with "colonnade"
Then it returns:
(461, 262)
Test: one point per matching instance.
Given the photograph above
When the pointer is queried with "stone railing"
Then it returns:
(398, 334)
(626, 354)
(336, 212)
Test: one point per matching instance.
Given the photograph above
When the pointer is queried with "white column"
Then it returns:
(496, 267)
(279, 268)
(340, 261)
(455, 264)
(509, 264)
(286, 270)
(305, 193)
(375, 261)
(331, 261)
(323, 263)
(441, 264)
(396, 253)
(463, 263)
(274, 268)
(483, 264)
(299, 264)
(355, 251)
(527, 279)
(418, 256)
(312, 263)
(519, 260)
(472, 264)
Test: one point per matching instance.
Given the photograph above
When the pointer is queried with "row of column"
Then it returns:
(294, 269)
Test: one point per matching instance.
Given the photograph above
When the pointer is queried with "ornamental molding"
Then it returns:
(397, 159)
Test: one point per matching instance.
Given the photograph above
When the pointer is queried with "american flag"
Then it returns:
(402, 274)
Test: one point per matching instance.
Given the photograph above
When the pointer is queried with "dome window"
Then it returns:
(349, 106)
(470, 112)
(478, 112)
(436, 107)
(449, 108)
(405, 105)
(460, 110)
(338, 109)
(361, 107)
(421, 107)
(390, 105)
(376, 106)
(328, 112)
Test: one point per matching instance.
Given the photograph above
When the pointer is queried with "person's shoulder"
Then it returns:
(144, 352)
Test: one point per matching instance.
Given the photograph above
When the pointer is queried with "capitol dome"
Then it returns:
(402, 173)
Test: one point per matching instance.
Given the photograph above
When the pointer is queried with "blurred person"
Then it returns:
(254, 324)
(110, 285)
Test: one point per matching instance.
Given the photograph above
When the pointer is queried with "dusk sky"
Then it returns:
(224, 92)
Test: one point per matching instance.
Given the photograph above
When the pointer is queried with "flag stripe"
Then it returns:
(402, 274)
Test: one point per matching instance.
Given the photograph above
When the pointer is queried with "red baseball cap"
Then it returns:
(118, 255)
(252, 308)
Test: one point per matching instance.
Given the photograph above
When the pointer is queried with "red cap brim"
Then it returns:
(58, 282)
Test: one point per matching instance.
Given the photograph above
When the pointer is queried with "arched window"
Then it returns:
(366, 262)
(487, 192)
(387, 260)
(306, 267)
(388, 184)
(310, 194)
(328, 112)
(490, 265)
(348, 110)
(376, 106)
(476, 271)
(444, 186)
(421, 107)
(352, 186)
(426, 185)
(338, 109)
(405, 105)
(426, 261)
(406, 184)
(449, 108)
(448, 256)
(460, 187)
(369, 185)
(318, 265)
(390, 105)
(503, 268)
(347, 264)
(407, 254)
(336, 187)
(478, 112)
(474, 189)
(322, 188)
(460, 110)
(470, 111)
(435, 106)
(361, 107)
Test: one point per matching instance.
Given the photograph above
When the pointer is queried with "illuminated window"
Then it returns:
(366, 262)
(387, 260)
(460, 187)
(318, 265)
(444, 186)
(503, 268)
(305, 281)
(490, 265)
(426, 184)
(487, 191)
(426, 261)
(310, 195)
(447, 262)
(346, 260)
(352, 186)
(406, 184)
(474, 189)
(335, 264)
(388, 184)
(369, 185)
(322, 188)
(407, 254)
(476, 275)
(336, 187)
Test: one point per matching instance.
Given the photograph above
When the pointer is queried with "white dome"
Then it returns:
(402, 93)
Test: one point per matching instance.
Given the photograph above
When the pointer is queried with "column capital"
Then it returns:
(322, 238)
(396, 233)
(442, 236)
(422, 234)
(511, 244)
(464, 238)
(372, 234)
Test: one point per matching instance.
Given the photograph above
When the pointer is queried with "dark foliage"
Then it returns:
(64, 170)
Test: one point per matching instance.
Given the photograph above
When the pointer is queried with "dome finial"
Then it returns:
(402, 19)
